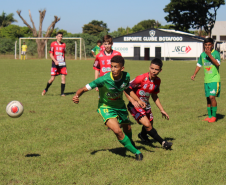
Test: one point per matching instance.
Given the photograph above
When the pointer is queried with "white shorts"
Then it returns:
(23, 52)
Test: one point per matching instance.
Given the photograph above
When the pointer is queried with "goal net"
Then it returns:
(75, 47)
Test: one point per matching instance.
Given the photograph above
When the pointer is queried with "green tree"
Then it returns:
(185, 14)
(6, 20)
(95, 27)
(150, 23)
(13, 32)
(137, 28)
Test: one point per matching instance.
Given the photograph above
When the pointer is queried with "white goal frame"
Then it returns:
(47, 38)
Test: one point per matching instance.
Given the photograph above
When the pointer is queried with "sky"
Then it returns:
(75, 13)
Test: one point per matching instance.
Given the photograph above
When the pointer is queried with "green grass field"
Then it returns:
(58, 142)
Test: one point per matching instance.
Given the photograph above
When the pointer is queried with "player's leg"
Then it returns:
(207, 91)
(127, 129)
(49, 83)
(63, 79)
(113, 124)
(208, 109)
(63, 72)
(213, 108)
(110, 118)
(214, 91)
(148, 125)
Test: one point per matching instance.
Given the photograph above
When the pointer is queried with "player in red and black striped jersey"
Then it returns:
(57, 54)
(102, 63)
(144, 86)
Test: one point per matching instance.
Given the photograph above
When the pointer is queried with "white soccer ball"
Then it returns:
(14, 109)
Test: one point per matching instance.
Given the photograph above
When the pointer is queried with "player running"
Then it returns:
(144, 86)
(210, 60)
(102, 63)
(111, 105)
(57, 54)
(96, 49)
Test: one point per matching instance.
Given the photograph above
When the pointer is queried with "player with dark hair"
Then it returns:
(144, 86)
(210, 60)
(111, 105)
(57, 54)
(102, 63)
(96, 49)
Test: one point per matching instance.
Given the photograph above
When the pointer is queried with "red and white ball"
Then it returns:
(14, 109)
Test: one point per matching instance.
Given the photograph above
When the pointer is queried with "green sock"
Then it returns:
(129, 134)
(209, 112)
(128, 145)
(214, 111)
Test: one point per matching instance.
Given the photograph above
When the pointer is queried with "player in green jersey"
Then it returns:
(96, 49)
(210, 60)
(111, 105)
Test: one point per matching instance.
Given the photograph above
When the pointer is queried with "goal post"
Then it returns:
(81, 45)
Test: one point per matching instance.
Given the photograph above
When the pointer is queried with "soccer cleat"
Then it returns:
(207, 119)
(167, 145)
(63, 95)
(139, 157)
(43, 92)
(144, 138)
(213, 119)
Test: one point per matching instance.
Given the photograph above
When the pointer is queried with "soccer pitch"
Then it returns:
(58, 142)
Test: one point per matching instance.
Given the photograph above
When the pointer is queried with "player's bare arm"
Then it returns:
(159, 105)
(79, 93)
(135, 103)
(133, 96)
(93, 54)
(54, 60)
(196, 71)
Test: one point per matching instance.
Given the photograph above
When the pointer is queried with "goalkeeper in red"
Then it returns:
(210, 60)
(144, 86)
(111, 105)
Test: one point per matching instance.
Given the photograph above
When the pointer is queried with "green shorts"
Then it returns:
(212, 89)
(108, 113)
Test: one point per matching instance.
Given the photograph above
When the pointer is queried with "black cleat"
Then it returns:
(144, 138)
(139, 157)
(167, 145)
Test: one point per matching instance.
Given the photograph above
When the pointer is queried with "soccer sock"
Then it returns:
(21, 57)
(47, 86)
(214, 111)
(143, 131)
(128, 145)
(129, 134)
(209, 112)
(153, 133)
(62, 88)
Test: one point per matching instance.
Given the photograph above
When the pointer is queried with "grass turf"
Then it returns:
(58, 142)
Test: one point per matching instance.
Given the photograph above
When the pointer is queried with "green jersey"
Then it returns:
(110, 91)
(210, 70)
(96, 49)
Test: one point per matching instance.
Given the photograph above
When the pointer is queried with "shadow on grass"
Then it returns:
(119, 151)
(32, 155)
(219, 116)
(69, 93)
(154, 141)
